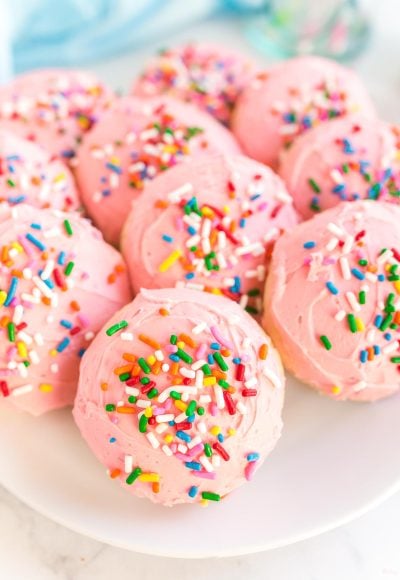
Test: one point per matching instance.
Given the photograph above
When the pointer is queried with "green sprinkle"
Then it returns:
(253, 292)
(362, 297)
(152, 393)
(345, 168)
(207, 450)
(314, 185)
(220, 361)
(352, 322)
(326, 342)
(395, 359)
(68, 268)
(173, 339)
(145, 380)
(363, 262)
(184, 356)
(68, 227)
(251, 310)
(11, 331)
(201, 411)
(110, 408)
(206, 370)
(175, 395)
(386, 322)
(116, 327)
(132, 399)
(10, 182)
(190, 408)
(143, 365)
(210, 495)
(124, 377)
(223, 384)
(143, 423)
(133, 476)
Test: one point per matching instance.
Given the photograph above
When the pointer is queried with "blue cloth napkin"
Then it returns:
(40, 33)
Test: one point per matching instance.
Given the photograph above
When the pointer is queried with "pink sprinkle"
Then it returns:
(174, 447)
(204, 474)
(250, 469)
(181, 456)
(179, 224)
(171, 348)
(195, 450)
(221, 339)
(213, 409)
(28, 249)
(83, 320)
(201, 351)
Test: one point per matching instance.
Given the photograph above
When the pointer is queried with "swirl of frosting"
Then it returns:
(180, 396)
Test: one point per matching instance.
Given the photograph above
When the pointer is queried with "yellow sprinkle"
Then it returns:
(204, 502)
(216, 430)
(181, 406)
(231, 432)
(170, 261)
(209, 381)
(207, 212)
(180, 344)
(22, 350)
(336, 390)
(226, 209)
(53, 352)
(59, 177)
(397, 286)
(3, 297)
(149, 477)
(148, 412)
(168, 438)
(45, 388)
(151, 359)
(17, 246)
(360, 324)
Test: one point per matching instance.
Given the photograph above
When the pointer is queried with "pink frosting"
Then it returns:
(58, 287)
(132, 144)
(29, 174)
(347, 159)
(53, 107)
(244, 207)
(209, 76)
(282, 102)
(328, 314)
(239, 430)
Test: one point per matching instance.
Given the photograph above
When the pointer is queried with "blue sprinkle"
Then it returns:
(174, 357)
(112, 439)
(220, 438)
(338, 188)
(184, 436)
(332, 288)
(61, 258)
(115, 168)
(63, 344)
(193, 465)
(347, 146)
(191, 418)
(363, 356)
(377, 349)
(66, 323)
(387, 336)
(215, 346)
(357, 274)
(167, 238)
(255, 196)
(36, 226)
(68, 153)
(253, 457)
(236, 360)
(35, 242)
(210, 359)
(378, 320)
(11, 291)
(189, 276)
(242, 223)
(106, 192)
(309, 245)
(193, 491)
(381, 278)
(171, 423)
(81, 352)
(191, 230)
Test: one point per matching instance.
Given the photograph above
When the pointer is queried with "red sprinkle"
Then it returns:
(4, 388)
(230, 405)
(249, 392)
(240, 372)
(184, 426)
(132, 381)
(75, 330)
(221, 451)
(146, 388)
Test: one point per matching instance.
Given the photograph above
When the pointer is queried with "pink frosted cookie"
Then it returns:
(59, 283)
(345, 160)
(289, 98)
(28, 174)
(332, 302)
(180, 396)
(208, 224)
(205, 75)
(132, 144)
(54, 107)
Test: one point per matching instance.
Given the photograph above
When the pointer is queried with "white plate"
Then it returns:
(334, 462)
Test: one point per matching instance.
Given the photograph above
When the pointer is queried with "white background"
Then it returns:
(33, 548)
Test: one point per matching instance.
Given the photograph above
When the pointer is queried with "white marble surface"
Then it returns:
(34, 548)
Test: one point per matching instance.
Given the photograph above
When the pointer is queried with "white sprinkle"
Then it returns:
(251, 382)
(243, 301)
(371, 277)
(161, 428)
(272, 234)
(345, 268)
(241, 407)
(202, 427)
(331, 245)
(18, 314)
(205, 399)
(391, 347)
(275, 380)
(352, 300)
(195, 441)
(336, 230)
(23, 371)
(89, 335)
(128, 336)
(23, 390)
(180, 418)
(42, 286)
(384, 257)
(182, 448)
(25, 337)
(348, 244)
(340, 315)
(47, 270)
(199, 379)
(216, 461)
(54, 368)
(34, 357)
(166, 450)
(185, 397)
(165, 368)
(206, 463)
(199, 328)
(128, 464)
(188, 373)
(219, 397)
(198, 364)
(371, 336)
(27, 274)
(165, 418)
(360, 386)
(246, 342)
(177, 194)
(152, 439)
(159, 355)
(132, 391)
(143, 404)
(249, 249)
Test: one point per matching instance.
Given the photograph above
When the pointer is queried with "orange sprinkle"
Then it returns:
(4, 321)
(124, 369)
(231, 390)
(126, 410)
(263, 351)
(114, 473)
(371, 268)
(111, 278)
(164, 312)
(120, 268)
(156, 368)
(149, 341)
(160, 203)
(16, 273)
(129, 357)
(174, 368)
(371, 354)
(219, 374)
(136, 370)
(75, 306)
(397, 318)
(155, 487)
(104, 386)
(225, 352)
(187, 340)
(177, 381)
(46, 300)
